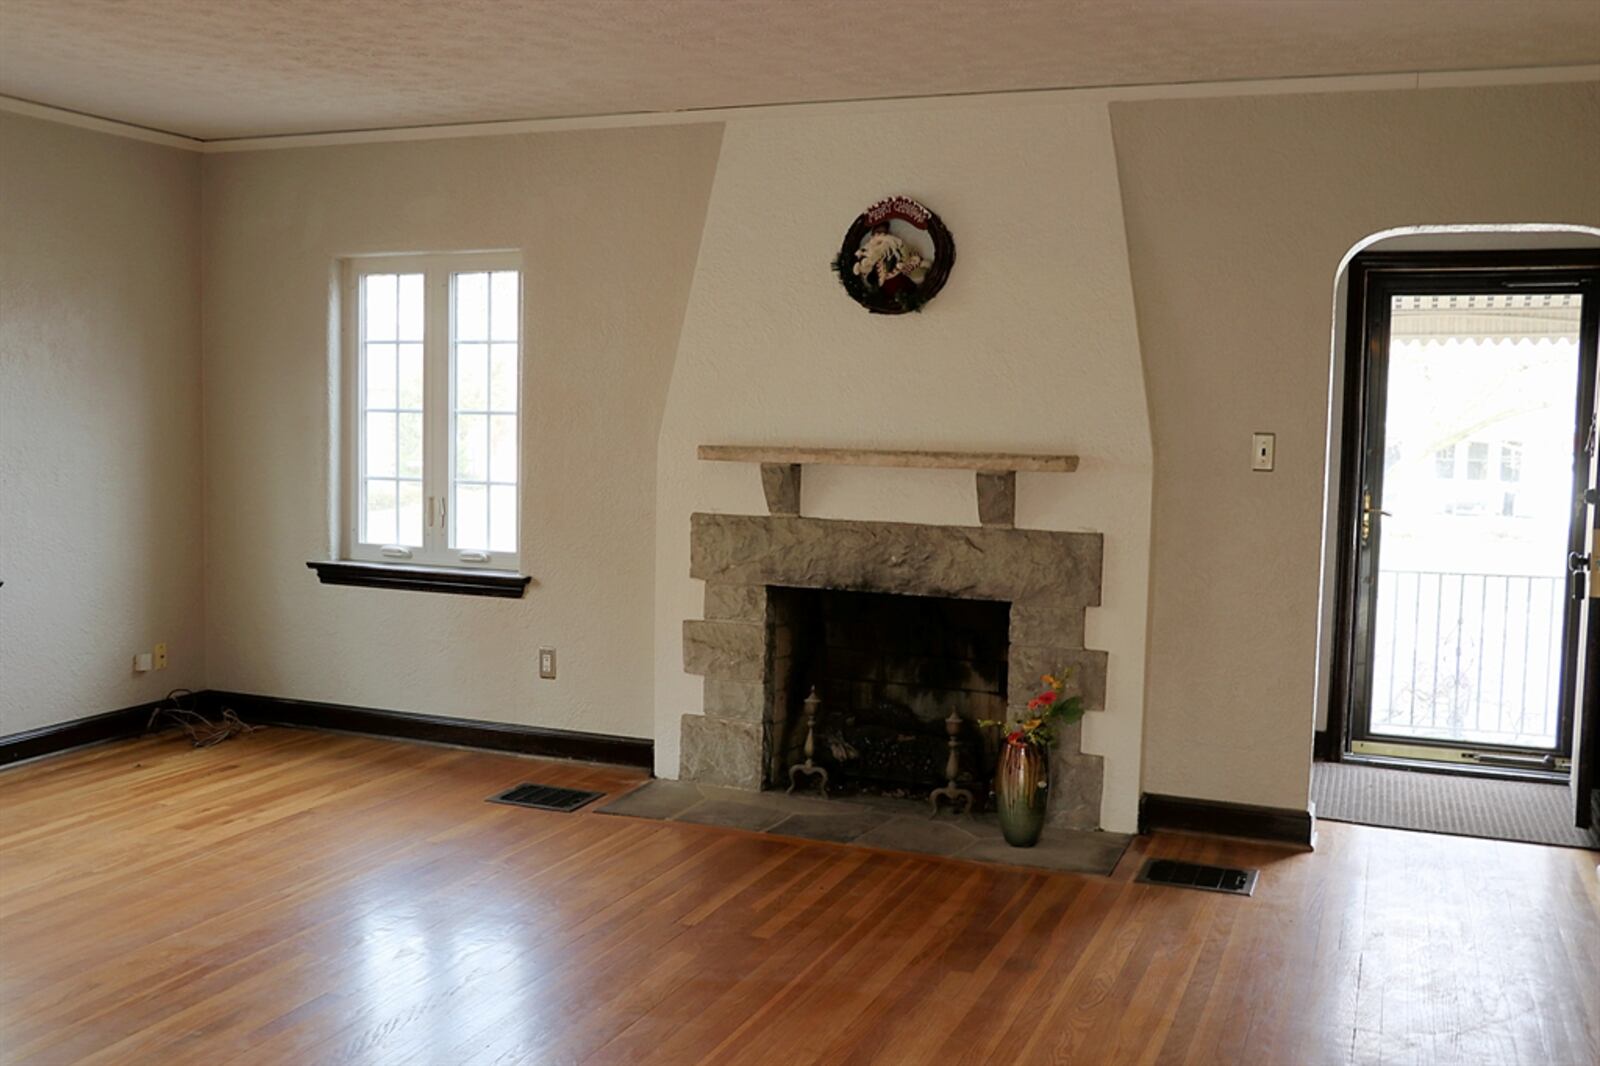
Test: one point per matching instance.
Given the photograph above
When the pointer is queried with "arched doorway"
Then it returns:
(1460, 448)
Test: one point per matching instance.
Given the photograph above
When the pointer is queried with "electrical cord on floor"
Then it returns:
(201, 731)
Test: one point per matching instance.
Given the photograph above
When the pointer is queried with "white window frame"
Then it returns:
(438, 404)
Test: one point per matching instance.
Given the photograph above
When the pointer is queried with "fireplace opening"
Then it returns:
(889, 671)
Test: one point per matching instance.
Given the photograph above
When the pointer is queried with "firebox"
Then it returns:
(889, 672)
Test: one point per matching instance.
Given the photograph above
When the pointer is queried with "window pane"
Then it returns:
(472, 307)
(1477, 460)
(1510, 461)
(380, 504)
(380, 376)
(1444, 462)
(503, 305)
(410, 518)
(408, 391)
(503, 518)
(472, 447)
(503, 448)
(503, 377)
(410, 449)
(472, 377)
(380, 445)
(411, 315)
(380, 302)
(471, 521)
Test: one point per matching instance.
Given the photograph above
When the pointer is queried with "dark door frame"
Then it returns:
(1365, 273)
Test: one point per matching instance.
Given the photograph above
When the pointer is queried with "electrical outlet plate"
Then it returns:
(1263, 447)
(547, 663)
(161, 656)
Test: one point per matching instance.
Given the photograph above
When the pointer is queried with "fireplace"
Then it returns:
(895, 679)
(958, 619)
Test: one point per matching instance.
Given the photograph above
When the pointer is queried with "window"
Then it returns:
(1510, 461)
(434, 413)
(1477, 461)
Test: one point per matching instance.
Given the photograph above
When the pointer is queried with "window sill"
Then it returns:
(459, 581)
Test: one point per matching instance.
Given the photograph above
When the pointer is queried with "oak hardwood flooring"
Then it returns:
(303, 897)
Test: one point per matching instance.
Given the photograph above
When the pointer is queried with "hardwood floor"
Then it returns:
(297, 897)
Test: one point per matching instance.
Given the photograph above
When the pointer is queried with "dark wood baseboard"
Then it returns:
(1278, 824)
(64, 736)
(437, 729)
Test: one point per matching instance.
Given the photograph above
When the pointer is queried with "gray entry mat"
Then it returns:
(1528, 811)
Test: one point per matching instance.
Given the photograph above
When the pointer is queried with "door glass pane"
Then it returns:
(1477, 479)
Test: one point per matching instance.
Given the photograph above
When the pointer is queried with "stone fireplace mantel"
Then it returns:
(1047, 577)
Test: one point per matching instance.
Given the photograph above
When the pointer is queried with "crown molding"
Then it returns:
(1400, 81)
(48, 113)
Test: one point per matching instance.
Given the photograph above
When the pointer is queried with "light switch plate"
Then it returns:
(1263, 447)
(547, 663)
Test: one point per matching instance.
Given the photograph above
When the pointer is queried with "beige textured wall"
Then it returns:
(100, 545)
(1032, 346)
(1238, 213)
(608, 223)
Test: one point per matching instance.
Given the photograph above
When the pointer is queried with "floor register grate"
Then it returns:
(1234, 882)
(546, 797)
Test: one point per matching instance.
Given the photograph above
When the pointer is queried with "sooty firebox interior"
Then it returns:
(888, 671)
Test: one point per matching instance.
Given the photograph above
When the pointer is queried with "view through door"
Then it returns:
(1471, 556)
(1466, 513)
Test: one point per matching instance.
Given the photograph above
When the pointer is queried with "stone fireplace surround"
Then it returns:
(1047, 577)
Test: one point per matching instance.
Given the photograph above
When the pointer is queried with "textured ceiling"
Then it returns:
(234, 68)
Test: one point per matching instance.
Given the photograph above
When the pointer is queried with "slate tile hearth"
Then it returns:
(871, 821)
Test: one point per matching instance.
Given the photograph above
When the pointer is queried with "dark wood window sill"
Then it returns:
(459, 581)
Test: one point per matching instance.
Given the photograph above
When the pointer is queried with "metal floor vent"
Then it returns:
(546, 798)
(1235, 882)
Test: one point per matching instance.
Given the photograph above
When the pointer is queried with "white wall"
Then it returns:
(608, 223)
(100, 546)
(1239, 212)
(1031, 347)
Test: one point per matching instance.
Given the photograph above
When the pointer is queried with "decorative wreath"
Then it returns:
(884, 274)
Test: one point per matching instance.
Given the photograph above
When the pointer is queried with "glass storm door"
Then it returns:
(1477, 399)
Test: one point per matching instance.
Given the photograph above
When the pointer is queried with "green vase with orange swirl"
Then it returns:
(1021, 787)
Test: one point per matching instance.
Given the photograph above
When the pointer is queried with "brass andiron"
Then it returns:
(952, 769)
(809, 767)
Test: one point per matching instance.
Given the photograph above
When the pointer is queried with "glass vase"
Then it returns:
(1021, 786)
